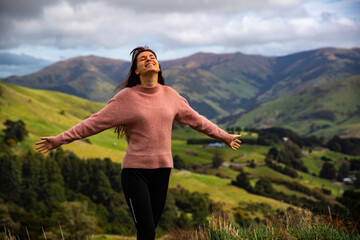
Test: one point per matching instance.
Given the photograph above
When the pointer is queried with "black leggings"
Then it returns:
(145, 192)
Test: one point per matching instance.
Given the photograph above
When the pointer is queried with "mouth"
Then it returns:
(148, 64)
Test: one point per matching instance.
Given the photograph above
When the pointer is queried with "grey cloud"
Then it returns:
(14, 64)
(33, 8)
(214, 6)
(24, 8)
(177, 23)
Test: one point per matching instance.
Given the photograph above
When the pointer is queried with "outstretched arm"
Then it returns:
(110, 116)
(187, 115)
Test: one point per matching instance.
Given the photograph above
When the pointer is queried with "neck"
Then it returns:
(149, 80)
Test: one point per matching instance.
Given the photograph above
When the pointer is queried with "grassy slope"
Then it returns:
(41, 112)
(294, 111)
(220, 190)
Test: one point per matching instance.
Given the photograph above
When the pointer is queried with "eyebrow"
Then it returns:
(151, 55)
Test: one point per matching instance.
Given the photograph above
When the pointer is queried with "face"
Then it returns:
(146, 62)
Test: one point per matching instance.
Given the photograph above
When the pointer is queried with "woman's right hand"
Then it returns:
(45, 145)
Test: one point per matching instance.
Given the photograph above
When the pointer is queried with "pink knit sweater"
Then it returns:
(147, 114)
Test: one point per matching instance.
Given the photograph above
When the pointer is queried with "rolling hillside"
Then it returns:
(48, 113)
(216, 85)
(330, 109)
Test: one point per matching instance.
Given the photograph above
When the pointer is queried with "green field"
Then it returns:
(47, 113)
(220, 190)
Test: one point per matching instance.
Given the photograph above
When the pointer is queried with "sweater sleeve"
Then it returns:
(187, 115)
(108, 117)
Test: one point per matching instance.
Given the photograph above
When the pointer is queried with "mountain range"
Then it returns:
(225, 87)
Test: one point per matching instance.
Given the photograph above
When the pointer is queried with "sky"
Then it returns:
(53, 30)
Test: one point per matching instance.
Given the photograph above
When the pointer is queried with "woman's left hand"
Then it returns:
(235, 143)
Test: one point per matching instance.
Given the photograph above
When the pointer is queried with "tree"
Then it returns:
(242, 181)
(169, 216)
(328, 171)
(345, 145)
(351, 200)
(5, 219)
(264, 185)
(15, 130)
(290, 154)
(178, 162)
(357, 181)
(252, 163)
(200, 207)
(217, 160)
(355, 164)
(102, 188)
(75, 220)
(121, 221)
(343, 172)
(232, 129)
(273, 154)
(10, 177)
(183, 221)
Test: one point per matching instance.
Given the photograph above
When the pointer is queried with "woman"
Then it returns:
(144, 112)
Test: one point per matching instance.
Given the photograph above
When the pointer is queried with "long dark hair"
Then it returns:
(133, 79)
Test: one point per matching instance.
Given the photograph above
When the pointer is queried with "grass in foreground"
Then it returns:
(295, 224)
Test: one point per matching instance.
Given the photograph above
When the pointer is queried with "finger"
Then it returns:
(41, 142)
(41, 151)
(237, 140)
(44, 138)
(237, 136)
(37, 148)
(41, 148)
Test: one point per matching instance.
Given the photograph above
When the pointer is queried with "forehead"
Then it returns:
(145, 54)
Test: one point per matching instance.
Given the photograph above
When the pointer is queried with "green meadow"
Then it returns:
(48, 113)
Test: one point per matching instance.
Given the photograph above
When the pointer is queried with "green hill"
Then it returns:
(48, 113)
(329, 109)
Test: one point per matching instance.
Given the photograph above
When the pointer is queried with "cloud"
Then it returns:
(24, 9)
(14, 64)
(190, 6)
(239, 25)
